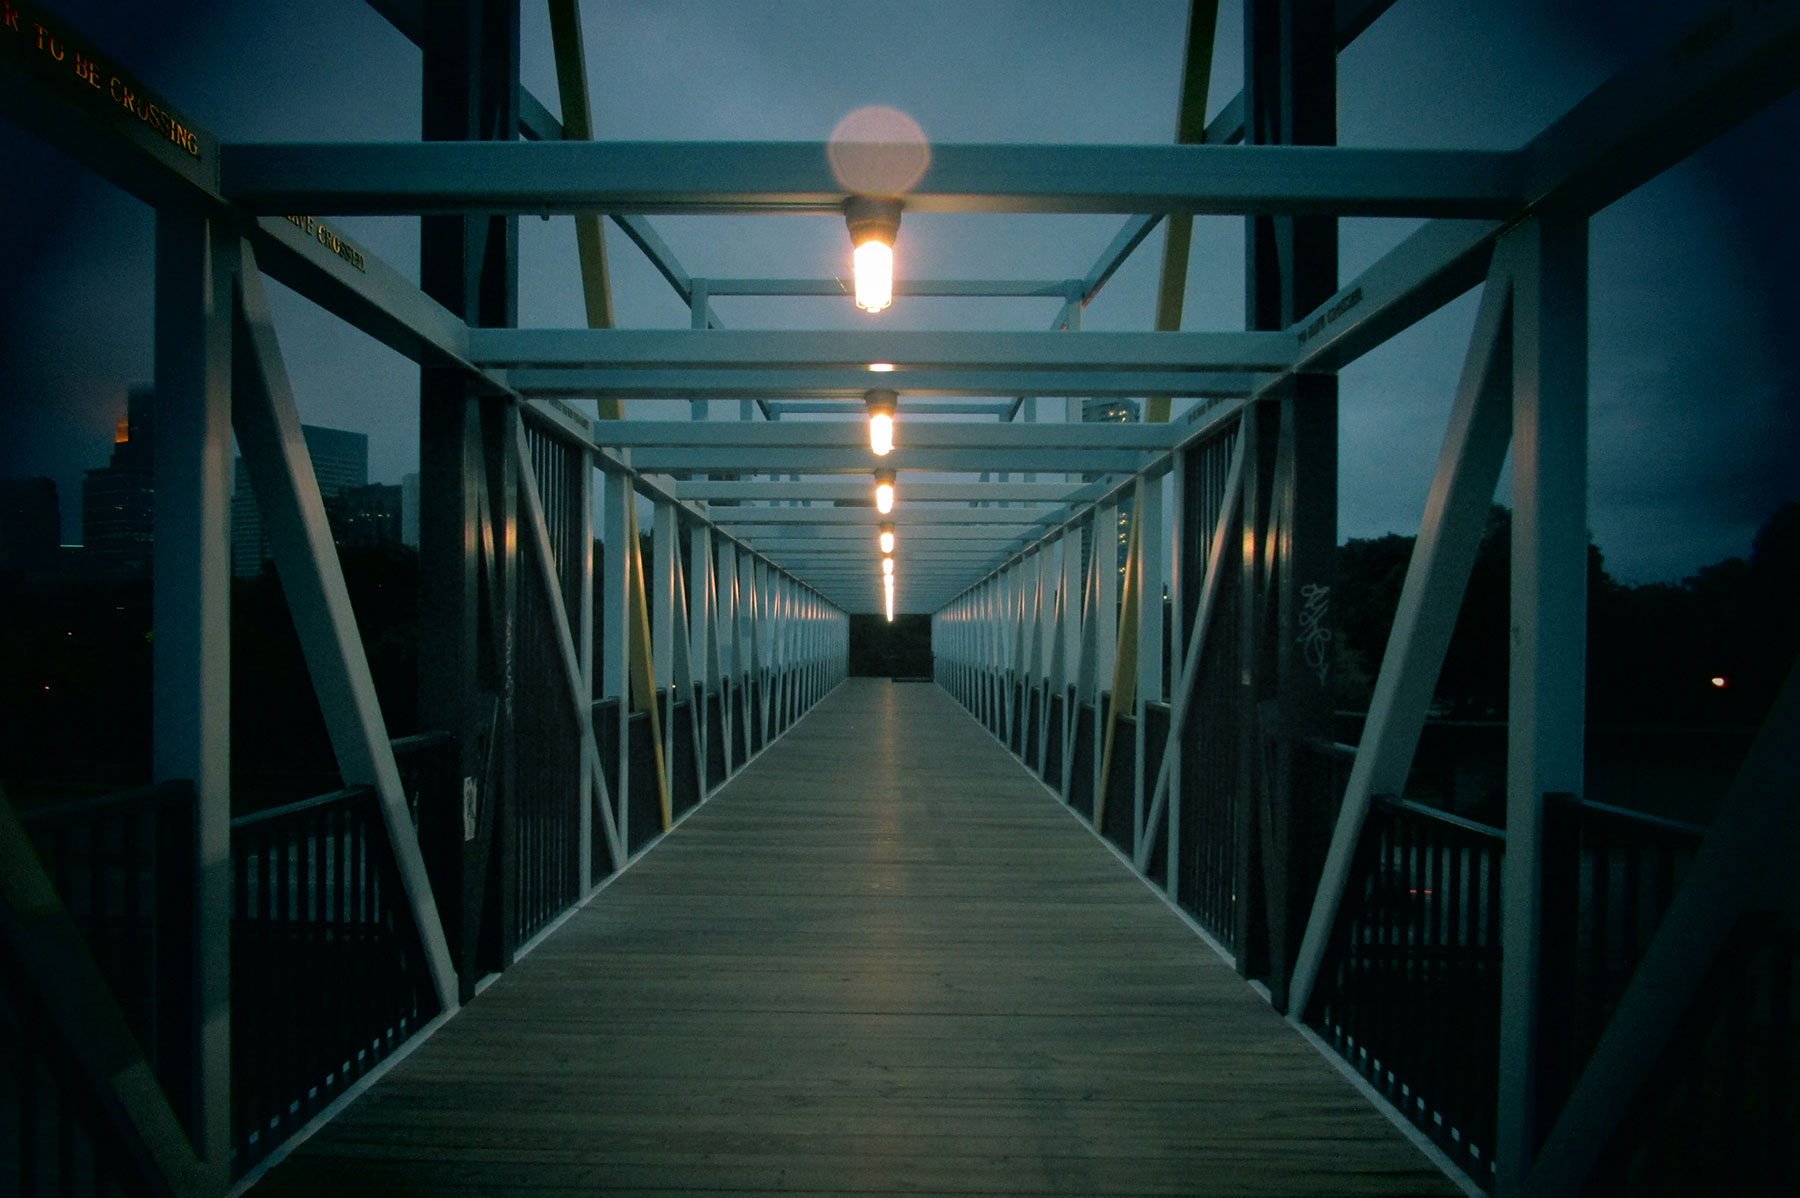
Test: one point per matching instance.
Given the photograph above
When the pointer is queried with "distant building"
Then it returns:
(30, 524)
(340, 462)
(1109, 411)
(409, 510)
(1112, 411)
(366, 516)
(118, 500)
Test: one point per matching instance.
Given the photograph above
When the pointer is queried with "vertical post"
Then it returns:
(701, 615)
(1072, 642)
(584, 650)
(749, 659)
(663, 541)
(1102, 554)
(498, 429)
(615, 613)
(1148, 589)
(1546, 716)
(192, 647)
(1177, 515)
(726, 623)
(697, 305)
(1290, 70)
(469, 92)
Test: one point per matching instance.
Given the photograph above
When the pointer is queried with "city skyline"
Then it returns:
(1695, 402)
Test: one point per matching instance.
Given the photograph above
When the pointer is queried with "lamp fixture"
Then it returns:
(887, 538)
(884, 491)
(888, 588)
(874, 224)
(882, 405)
(887, 566)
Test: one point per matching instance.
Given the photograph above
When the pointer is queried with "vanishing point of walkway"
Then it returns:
(882, 959)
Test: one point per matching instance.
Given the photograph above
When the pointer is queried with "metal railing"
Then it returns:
(124, 867)
(1410, 992)
(327, 975)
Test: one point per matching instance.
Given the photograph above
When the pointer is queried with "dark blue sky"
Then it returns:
(1695, 384)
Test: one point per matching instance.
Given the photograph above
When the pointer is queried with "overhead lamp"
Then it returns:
(874, 223)
(888, 588)
(882, 405)
(884, 491)
(887, 566)
(887, 538)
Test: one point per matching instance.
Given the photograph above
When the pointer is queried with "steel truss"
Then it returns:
(737, 621)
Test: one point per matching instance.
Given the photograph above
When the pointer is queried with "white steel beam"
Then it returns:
(858, 460)
(1430, 599)
(910, 433)
(828, 382)
(576, 678)
(405, 178)
(191, 653)
(904, 513)
(854, 349)
(267, 424)
(1546, 687)
(1190, 668)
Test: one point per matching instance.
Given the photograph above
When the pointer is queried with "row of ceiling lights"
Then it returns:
(874, 224)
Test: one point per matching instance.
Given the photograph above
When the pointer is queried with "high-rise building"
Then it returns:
(340, 461)
(366, 516)
(1112, 411)
(409, 510)
(30, 524)
(118, 508)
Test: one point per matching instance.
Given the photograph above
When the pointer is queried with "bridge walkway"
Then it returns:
(882, 959)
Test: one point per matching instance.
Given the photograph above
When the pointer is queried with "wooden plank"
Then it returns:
(882, 959)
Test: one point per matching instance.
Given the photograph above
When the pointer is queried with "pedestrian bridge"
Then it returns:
(884, 958)
(660, 899)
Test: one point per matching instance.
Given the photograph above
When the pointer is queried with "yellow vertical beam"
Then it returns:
(596, 289)
(1171, 294)
(1190, 130)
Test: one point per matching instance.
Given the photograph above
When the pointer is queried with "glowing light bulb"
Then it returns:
(882, 404)
(889, 588)
(887, 566)
(887, 538)
(874, 223)
(874, 267)
(884, 491)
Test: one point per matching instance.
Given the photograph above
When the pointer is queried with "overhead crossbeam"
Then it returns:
(832, 490)
(780, 349)
(851, 382)
(903, 514)
(540, 177)
(853, 435)
(858, 460)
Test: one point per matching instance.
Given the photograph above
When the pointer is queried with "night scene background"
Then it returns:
(1695, 383)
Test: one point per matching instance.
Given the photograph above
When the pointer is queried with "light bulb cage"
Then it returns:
(882, 402)
(872, 218)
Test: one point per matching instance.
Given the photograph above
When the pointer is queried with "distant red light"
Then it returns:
(1720, 683)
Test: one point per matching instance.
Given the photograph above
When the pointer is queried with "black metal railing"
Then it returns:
(327, 974)
(123, 865)
(1609, 877)
(48, 1141)
(1719, 1112)
(1410, 990)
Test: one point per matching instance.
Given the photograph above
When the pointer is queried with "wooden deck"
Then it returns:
(883, 959)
